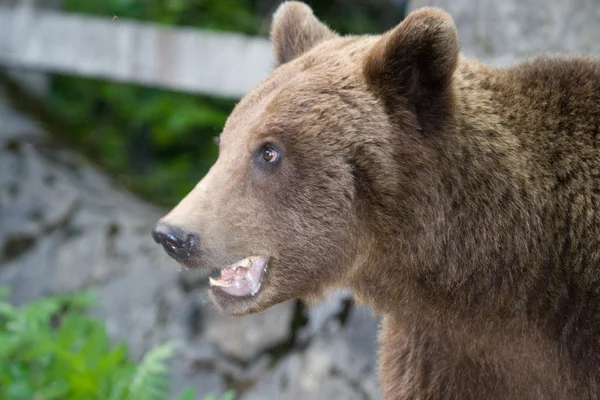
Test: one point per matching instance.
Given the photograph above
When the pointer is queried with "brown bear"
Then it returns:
(459, 201)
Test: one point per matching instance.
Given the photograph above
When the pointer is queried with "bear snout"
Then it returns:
(177, 242)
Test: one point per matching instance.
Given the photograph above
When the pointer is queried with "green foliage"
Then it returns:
(158, 143)
(50, 349)
(233, 15)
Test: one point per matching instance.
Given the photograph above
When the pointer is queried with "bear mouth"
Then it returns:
(242, 278)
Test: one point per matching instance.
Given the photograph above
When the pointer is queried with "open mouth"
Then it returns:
(242, 278)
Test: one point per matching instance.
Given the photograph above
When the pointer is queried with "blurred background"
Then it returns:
(108, 110)
(155, 141)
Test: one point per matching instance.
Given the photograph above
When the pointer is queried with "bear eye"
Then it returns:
(269, 154)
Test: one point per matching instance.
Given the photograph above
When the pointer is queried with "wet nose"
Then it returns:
(177, 242)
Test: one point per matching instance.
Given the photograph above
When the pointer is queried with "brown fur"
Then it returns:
(459, 201)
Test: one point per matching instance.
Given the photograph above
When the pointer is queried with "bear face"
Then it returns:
(303, 181)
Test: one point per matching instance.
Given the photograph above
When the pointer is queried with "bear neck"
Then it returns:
(471, 231)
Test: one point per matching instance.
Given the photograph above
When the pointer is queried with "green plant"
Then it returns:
(235, 15)
(159, 144)
(50, 349)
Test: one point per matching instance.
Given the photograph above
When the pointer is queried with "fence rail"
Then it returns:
(222, 64)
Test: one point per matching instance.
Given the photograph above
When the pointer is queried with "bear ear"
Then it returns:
(417, 58)
(295, 30)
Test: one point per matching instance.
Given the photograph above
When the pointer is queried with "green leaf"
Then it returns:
(112, 359)
(8, 344)
(148, 382)
(18, 390)
(95, 345)
(7, 311)
(82, 384)
(51, 350)
(189, 393)
(230, 395)
(70, 330)
(56, 390)
(80, 300)
(119, 390)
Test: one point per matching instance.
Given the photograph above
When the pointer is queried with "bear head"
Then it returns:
(319, 163)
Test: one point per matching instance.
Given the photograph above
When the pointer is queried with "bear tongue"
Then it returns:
(227, 273)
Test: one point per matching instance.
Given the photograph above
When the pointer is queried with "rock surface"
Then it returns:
(501, 31)
(339, 364)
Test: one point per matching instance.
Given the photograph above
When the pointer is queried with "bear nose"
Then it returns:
(177, 242)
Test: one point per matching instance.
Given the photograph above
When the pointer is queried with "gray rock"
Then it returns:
(244, 338)
(65, 227)
(186, 318)
(325, 315)
(334, 366)
(500, 31)
(185, 373)
(304, 376)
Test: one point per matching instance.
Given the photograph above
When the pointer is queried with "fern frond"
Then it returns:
(150, 380)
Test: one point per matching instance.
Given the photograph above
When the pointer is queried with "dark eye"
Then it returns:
(269, 154)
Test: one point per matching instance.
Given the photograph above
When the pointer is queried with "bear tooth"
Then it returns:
(216, 282)
(245, 263)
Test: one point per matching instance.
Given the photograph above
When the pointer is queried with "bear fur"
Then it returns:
(459, 201)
